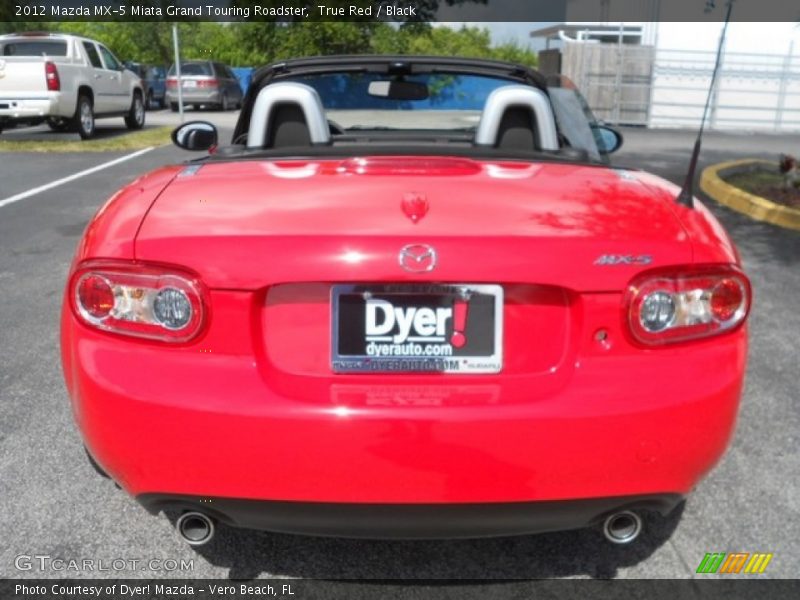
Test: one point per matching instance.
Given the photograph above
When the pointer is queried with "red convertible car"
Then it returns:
(410, 299)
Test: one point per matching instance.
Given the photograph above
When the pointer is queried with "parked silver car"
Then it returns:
(204, 83)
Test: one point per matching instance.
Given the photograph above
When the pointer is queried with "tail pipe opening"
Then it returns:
(195, 528)
(622, 527)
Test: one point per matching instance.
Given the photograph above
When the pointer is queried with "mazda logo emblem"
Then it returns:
(418, 258)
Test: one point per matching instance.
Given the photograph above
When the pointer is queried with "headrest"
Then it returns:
(495, 124)
(294, 107)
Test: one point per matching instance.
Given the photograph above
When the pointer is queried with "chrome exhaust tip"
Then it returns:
(195, 528)
(622, 527)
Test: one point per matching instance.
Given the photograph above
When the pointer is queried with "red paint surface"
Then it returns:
(251, 409)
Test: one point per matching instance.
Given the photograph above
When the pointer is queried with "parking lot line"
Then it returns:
(73, 177)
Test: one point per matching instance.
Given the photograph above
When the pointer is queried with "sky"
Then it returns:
(505, 32)
(517, 32)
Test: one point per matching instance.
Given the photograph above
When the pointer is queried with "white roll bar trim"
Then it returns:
(508, 96)
(288, 92)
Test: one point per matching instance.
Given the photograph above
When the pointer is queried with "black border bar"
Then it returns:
(540, 12)
(295, 589)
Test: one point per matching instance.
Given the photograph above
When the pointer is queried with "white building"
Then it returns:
(658, 73)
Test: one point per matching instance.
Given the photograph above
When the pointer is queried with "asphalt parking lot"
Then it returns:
(54, 504)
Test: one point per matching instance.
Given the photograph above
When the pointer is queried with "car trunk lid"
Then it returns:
(248, 224)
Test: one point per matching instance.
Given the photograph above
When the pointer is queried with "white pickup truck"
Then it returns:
(66, 81)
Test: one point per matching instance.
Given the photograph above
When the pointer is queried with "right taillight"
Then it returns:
(678, 304)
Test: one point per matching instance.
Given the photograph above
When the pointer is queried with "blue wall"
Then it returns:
(244, 75)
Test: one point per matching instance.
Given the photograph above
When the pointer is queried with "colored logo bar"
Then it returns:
(734, 563)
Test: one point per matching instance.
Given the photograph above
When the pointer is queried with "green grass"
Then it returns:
(157, 136)
(767, 184)
(755, 180)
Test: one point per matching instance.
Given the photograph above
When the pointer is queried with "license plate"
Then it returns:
(417, 328)
(190, 84)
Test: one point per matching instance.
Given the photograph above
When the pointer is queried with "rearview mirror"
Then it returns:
(195, 136)
(398, 90)
(608, 139)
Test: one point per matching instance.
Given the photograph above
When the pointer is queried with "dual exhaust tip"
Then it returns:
(622, 527)
(195, 528)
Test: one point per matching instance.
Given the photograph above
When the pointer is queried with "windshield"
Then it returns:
(575, 120)
(35, 48)
(155, 73)
(426, 101)
(431, 106)
(192, 69)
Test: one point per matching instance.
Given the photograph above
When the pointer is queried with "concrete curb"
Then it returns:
(753, 206)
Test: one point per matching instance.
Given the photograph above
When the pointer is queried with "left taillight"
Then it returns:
(141, 300)
(51, 76)
(680, 304)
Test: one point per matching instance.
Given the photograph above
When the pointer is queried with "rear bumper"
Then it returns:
(195, 97)
(405, 521)
(218, 419)
(25, 109)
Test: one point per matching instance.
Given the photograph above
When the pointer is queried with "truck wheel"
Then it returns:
(58, 123)
(150, 104)
(83, 121)
(173, 106)
(135, 118)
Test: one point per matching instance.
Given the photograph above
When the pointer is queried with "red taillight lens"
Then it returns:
(207, 83)
(96, 296)
(141, 300)
(727, 297)
(172, 82)
(679, 304)
(51, 75)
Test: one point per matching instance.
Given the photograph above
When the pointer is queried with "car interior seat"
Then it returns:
(287, 126)
(517, 130)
